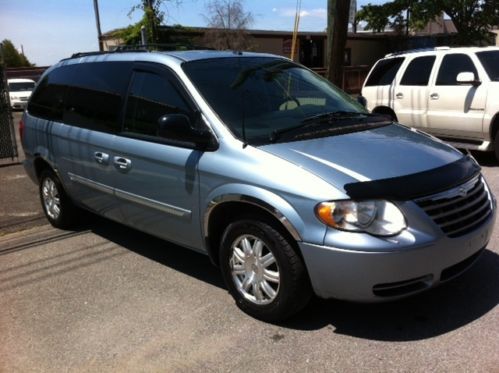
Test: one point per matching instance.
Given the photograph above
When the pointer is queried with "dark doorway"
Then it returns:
(312, 52)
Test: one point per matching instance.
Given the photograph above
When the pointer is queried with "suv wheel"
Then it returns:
(262, 271)
(496, 146)
(57, 206)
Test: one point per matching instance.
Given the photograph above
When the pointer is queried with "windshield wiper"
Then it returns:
(319, 119)
(340, 114)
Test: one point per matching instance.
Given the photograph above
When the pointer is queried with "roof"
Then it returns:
(20, 81)
(208, 54)
(442, 50)
(189, 55)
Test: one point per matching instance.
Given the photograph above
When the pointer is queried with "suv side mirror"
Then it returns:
(178, 129)
(467, 78)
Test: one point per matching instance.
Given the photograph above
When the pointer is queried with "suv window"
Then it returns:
(490, 61)
(418, 71)
(384, 72)
(452, 65)
(95, 94)
(152, 96)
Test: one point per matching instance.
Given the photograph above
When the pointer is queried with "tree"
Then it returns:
(337, 29)
(152, 18)
(12, 58)
(228, 22)
(472, 18)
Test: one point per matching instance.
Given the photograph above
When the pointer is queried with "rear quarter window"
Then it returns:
(87, 95)
(384, 72)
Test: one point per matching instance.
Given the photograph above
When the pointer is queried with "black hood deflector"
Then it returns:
(416, 185)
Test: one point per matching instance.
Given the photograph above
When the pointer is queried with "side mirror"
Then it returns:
(362, 100)
(178, 128)
(173, 126)
(467, 78)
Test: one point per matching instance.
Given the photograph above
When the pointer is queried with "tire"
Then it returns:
(262, 271)
(58, 208)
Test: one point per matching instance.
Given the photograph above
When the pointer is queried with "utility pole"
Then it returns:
(331, 23)
(337, 32)
(97, 22)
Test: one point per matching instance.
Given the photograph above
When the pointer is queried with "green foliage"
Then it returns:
(12, 58)
(473, 18)
(153, 17)
(375, 16)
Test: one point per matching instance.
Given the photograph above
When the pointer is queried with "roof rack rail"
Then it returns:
(159, 47)
(417, 50)
(141, 48)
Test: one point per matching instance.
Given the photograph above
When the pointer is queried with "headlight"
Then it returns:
(380, 218)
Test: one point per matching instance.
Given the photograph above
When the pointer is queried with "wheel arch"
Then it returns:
(226, 207)
(494, 126)
(40, 164)
(385, 110)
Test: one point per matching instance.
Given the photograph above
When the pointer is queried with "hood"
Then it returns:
(20, 93)
(380, 153)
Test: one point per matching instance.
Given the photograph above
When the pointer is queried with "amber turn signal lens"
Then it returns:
(325, 212)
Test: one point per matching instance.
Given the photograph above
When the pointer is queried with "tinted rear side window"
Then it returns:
(384, 72)
(95, 95)
(47, 101)
(452, 65)
(418, 72)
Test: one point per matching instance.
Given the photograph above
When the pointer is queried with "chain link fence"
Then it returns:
(8, 146)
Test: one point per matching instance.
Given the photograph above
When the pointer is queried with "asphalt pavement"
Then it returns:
(107, 298)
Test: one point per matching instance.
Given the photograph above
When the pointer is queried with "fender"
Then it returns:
(262, 198)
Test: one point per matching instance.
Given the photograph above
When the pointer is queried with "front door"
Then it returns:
(157, 181)
(456, 110)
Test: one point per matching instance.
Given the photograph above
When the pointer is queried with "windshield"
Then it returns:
(24, 86)
(257, 97)
(490, 62)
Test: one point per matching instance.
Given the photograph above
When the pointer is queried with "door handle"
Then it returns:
(122, 164)
(101, 158)
(399, 96)
(434, 96)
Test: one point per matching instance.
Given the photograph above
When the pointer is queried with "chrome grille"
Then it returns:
(459, 210)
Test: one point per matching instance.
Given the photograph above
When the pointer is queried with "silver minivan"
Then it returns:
(285, 182)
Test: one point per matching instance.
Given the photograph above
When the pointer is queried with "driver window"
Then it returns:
(452, 65)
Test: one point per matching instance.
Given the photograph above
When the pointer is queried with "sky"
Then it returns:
(50, 30)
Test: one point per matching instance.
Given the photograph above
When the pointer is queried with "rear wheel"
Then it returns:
(262, 271)
(57, 206)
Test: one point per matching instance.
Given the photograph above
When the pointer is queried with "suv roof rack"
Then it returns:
(151, 47)
(417, 50)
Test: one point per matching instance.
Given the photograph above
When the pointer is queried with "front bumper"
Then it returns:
(378, 274)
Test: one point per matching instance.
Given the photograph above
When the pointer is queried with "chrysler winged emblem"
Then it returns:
(462, 192)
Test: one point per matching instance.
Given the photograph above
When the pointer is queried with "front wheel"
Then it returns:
(262, 271)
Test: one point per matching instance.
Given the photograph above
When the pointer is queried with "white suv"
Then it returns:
(451, 93)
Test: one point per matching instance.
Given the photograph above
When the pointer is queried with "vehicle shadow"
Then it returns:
(173, 256)
(487, 159)
(441, 310)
